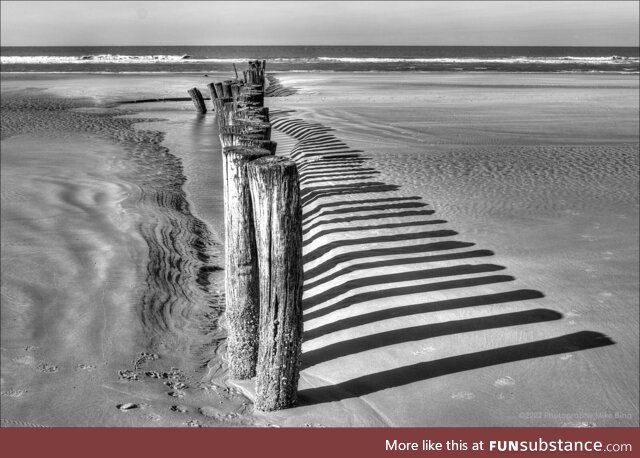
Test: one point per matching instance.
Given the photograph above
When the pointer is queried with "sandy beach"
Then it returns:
(470, 251)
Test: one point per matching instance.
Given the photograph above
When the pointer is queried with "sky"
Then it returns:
(428, 23)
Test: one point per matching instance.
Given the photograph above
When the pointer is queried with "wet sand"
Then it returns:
(470, 252)
(110, 288)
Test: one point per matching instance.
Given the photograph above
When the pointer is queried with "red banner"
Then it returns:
(311, 443)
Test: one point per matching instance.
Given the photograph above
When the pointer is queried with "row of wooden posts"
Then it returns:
(263, 242)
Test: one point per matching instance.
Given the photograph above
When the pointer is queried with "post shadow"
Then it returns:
(384, 251)
(345, 178)
(339, 172)
(405, 375)
(332, 163)
(368, 208)
(372, 227)
(424, 307)
(322, 206)
(427, 331)
(389, 279)
(398, 262)
(400, 237)
(359, 188)
(403, 291)
(373, 216)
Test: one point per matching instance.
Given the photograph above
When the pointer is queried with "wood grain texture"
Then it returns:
(275, 193)
(241, 267)
(198, 100)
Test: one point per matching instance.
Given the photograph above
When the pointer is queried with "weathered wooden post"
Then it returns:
(259, 128)
(277, 211)
(226, 89)
(218, 88)
(212, 93)
(197, 99)
(251, 95)
(241, 266)
(235, 91)
(243, 140)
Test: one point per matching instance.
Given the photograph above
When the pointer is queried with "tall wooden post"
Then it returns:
(241, 268)
(198, 101)
(212, 93)
(275, 194)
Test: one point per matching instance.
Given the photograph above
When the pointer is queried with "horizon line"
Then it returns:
(333, 45)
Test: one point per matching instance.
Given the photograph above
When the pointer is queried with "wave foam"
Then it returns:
(187, 59)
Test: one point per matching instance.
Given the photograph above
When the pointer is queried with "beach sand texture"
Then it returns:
(470, 252)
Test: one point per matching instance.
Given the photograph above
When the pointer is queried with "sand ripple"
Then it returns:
(177, 310)
(526, 178)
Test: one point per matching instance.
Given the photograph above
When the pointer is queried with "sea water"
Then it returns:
(120, 59)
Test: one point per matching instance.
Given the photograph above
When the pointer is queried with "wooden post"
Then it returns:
(275, 194)
(226, 88)
(261, 128)
(256, 113)
(241, 268)
(219, 91)
(235, 91)
(251, 97)
(197, 99)
(212, 93)
(243, 140)
(224, 108)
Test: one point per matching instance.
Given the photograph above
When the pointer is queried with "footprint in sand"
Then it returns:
(85, 367)
(193, 424)
(144, 358)
(181, 409)
(48, 368)
(176, 394)
(462, 395)
(27, 360)
(127, 406)
(13, 393)
(153, 417)
(176, 385)
(128, 376)
(506, 396)
(504, 381)
(211, 412)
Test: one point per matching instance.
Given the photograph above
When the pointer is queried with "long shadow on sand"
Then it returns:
(427, 331)
(425, 307)
(404, 291)
(340, 206)
(405, 375)
(388, 279)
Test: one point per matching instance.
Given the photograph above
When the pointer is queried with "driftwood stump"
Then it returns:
(241, 267)
(275, 194)
(198, 100)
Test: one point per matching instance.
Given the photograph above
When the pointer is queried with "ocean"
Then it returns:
(197, 59)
